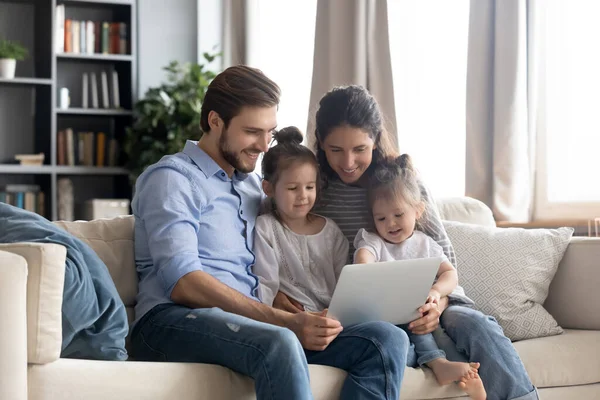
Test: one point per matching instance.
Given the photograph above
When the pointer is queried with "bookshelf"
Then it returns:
(30, 113)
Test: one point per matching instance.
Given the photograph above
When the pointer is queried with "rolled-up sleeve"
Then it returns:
(171, 214)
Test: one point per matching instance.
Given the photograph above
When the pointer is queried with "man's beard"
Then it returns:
(231, 157)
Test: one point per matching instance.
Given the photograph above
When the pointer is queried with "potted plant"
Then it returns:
(10, 53)
(168, 115)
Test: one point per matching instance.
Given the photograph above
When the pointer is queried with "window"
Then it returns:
(428, 42)
(281, 44)
(568, 148)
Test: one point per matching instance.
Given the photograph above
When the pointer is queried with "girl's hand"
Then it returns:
(433, 297)
(285, 303)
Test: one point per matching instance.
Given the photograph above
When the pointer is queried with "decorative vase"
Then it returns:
(7, 68)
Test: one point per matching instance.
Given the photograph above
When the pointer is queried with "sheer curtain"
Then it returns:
(569, 142)
(280, 42)
(428, 43)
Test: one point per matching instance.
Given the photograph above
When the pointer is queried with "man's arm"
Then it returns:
(171, 216)
(201, 290)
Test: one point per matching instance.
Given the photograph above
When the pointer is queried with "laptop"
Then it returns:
(389, 291)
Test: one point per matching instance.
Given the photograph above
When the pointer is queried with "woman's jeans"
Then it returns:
(475, 337)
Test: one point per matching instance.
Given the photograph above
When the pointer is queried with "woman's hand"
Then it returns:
(430, 317)
(285, 303)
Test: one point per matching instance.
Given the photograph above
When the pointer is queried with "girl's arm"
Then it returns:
(266, 266)
(340, 252)
(447, 280)
(363, 256)
(368, 247)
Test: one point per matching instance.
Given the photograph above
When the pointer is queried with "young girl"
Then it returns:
(395, 200)
(297, 252)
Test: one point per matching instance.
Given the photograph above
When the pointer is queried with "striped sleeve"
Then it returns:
(431, 224)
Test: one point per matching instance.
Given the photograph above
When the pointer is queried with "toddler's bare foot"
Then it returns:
(447, 372)
(472, 385)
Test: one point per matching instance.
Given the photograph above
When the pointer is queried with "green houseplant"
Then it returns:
(10, 53)
(168, 115)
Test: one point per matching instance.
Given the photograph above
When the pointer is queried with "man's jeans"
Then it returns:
(374, 354)
(479, 338)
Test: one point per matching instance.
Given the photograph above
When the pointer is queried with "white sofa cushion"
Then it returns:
(572, 358)
(569, 359)
(507, 272)
(45, 283)
(465, 209)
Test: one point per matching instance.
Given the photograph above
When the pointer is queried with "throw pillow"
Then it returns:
(507, 273)
(94, 320)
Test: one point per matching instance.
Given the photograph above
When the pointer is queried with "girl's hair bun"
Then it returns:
(405, 162)
(288, 135)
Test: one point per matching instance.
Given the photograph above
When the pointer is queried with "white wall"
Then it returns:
(167, 30)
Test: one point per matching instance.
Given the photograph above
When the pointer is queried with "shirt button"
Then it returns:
(241, 212)
(222, 173)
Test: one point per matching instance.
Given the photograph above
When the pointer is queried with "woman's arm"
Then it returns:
(431, 224)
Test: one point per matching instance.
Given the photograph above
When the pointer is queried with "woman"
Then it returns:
(350, 142)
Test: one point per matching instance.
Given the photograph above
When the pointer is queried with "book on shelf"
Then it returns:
(94, 84)
(90, 37)
(84, 90)
(110, 95)
(27, 197)
(91, 149)
(105, 99)
(115, 89)
(60, 28)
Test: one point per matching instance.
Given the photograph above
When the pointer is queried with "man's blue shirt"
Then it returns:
(190, 216)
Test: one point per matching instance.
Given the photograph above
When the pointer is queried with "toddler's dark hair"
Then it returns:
(287, 152)
(395, 179)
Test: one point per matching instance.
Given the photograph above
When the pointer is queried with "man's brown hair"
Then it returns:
(236, 87)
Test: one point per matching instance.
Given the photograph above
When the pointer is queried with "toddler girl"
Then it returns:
(396, 204)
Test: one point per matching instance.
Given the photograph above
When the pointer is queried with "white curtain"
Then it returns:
(234, 32)
(352, 47)
(502, 86)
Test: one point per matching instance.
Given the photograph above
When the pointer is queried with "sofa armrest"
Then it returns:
(45, 283)
(13, 335)
(572, 297)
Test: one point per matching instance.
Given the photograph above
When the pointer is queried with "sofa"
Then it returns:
(566, 366)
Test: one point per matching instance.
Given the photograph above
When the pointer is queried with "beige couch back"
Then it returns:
(112, 240)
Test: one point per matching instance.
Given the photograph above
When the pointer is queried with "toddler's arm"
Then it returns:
(363, 256)
(368, 247)
(447, 279)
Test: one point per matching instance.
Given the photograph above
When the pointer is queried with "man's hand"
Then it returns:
(314, 330)
(285, 303)
(429, 321)
(433, 297)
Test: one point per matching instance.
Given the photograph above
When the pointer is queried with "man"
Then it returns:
(194, 225)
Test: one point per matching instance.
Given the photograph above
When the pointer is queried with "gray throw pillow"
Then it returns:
(507, 273)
